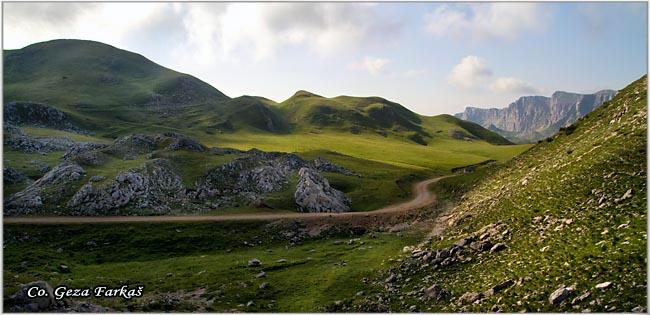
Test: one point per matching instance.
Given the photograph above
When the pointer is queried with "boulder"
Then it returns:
(22, 302)
(604, 285)
(503, 285)
(254, 263)
(560, 295)
(314, 194)
(436, 292)
(470, 297)
(498, 247)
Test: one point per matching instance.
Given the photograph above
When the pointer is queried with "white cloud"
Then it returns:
(205, 32)
(487, 21)
(26, 23)
(512, 86)
(372, 65)
(471, 73)
(413, 72)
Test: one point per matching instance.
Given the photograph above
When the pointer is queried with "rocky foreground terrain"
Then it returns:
(560, 228)
(533, 118)
(157, 185)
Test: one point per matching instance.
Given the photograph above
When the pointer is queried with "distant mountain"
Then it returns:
(533, 118)
(114, 92)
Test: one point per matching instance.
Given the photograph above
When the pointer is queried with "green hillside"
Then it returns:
(310, 112)
(111, 93)
(570, 212)
(85, 74)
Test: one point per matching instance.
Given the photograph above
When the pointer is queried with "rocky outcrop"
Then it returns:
(87, 154)
(179, 141)
(314, 194)
(52, 187)
(532, 118)
(155, 187)
(250, 176)
(12, 176)
(128, 147)
(37, 114)
(323, 165)
(14, 138)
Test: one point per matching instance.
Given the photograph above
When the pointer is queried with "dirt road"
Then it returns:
(422, 198)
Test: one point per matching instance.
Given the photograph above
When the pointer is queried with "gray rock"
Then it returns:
(465, 241)
(436, 292)
(248, 177)
(154, 187)
(442, 254)
(35, 304)
(254, 263)
(97, 178)
(560, 295)
(470, 297)
(604, 285)
(260, 275)
(503, 285)
(580, 298)
(64, 269)
(52, 186)
(264, 285)
(322, 165)
(38, 114)
(180, 142)
(498, 247)
(12, 176)
(314, 194)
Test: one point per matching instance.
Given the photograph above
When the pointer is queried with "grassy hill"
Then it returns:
(112, 92)
(571, 213)
(85, 74)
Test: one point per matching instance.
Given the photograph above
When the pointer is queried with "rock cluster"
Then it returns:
(154, 186)
(21, 302)
(250, 176)
(323, 165)
(128, 147)
(12, 176)
(53, 186)
(467, 249)
(17, 140)
(314, 194)
(37, 114)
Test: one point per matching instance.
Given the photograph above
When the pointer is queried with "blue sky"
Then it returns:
(431, 57)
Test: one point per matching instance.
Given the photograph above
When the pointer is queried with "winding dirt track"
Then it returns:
(422, 198)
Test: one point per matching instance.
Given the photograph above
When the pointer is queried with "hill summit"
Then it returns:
(114, 92)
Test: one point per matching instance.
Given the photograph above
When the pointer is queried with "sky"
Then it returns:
(433, 58)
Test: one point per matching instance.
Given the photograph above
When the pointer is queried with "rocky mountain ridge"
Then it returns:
(532, 118)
